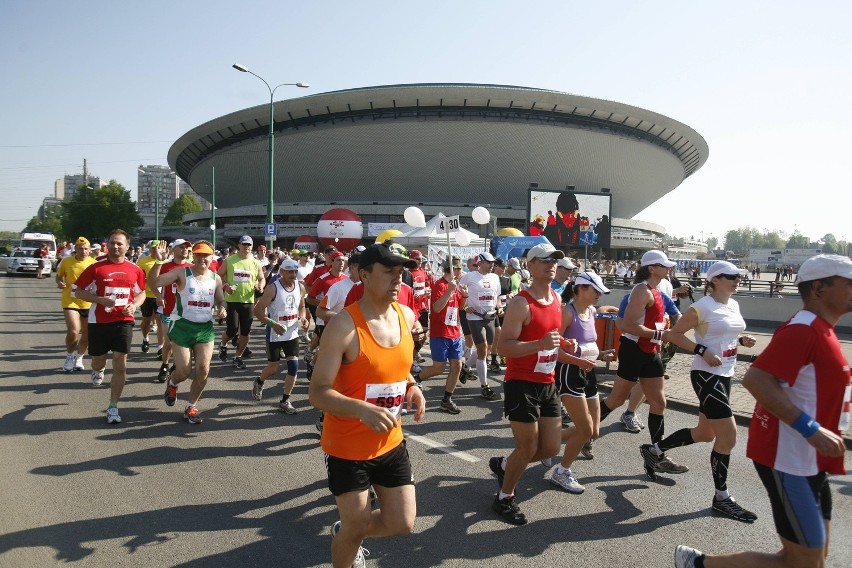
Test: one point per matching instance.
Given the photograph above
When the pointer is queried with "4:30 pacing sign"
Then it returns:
(449, 224)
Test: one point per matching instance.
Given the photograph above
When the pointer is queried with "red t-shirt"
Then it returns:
(169, 291)
(537, 367)
(445, 323)
(316, 273)
(405, 297)
(806, 356)
(422, 281)
(321, 285)
(120, 280)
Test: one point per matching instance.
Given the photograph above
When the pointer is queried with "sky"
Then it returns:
(767, 84)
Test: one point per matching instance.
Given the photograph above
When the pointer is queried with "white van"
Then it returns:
(31, 241)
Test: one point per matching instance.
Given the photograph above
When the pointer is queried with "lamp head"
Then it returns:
(303, 85)
(239, 67)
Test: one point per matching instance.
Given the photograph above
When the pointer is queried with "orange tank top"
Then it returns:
(379, 376)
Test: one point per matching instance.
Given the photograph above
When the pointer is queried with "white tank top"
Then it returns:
(719, 327)
(284, 309)
(195, 302)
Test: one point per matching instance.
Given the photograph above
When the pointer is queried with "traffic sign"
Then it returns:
(270, 229)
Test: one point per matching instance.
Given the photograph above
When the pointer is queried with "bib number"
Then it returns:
(546, 361)
(387, 395)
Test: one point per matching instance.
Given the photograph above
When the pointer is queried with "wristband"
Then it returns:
(658, 335)
(269, 323)
(805, 425)
(740, 341)
(409, 385)
(699, 349)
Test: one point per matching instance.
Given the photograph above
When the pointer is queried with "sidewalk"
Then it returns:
(679, 391)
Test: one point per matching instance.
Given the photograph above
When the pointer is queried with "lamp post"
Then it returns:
(213, 213)
(270, 201)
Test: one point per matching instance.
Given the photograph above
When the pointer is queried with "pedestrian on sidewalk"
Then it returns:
(802, 386)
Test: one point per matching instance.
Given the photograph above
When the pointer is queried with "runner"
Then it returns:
(639, 353)
(422, 286)
(76, 311)
(361, 382)
(241, 277)
(445, 340)
(803, 389)
(115, 284)
(718, 329)
(281, 309)
(481, 289)
(198, 294)
(166, 301)
(149, 306)
(530, 341)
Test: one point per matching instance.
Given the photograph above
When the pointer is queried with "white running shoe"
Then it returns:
(68, 365)
(685, 556)
(78, 363)
(631, 422)
(97, 378)
(112, 416)
(566, 481)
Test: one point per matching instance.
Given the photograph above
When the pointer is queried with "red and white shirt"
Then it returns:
(806, 356)
(169, 298)
(446, 322)
(122, 281)
(421, 281)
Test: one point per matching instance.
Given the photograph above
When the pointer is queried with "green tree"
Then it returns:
(797, 241)
(830, 245)
(182, 205)
(712, 242)
(94, 213)
(52, 223)
(739, 241)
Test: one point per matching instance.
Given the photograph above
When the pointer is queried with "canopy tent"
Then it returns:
(431, 234)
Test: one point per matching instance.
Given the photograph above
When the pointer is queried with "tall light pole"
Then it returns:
(270, 201)
(213, 213)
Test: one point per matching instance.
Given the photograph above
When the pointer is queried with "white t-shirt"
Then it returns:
(482, 292)
(337, 295)
(718, 329)
(665, 287)
(303, 271)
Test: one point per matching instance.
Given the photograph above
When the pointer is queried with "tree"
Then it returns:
(51, 223)
(797, 241)
(831, 245)
(94, 213)
(712, 242)
(183, 205)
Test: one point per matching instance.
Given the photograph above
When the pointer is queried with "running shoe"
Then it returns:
(170, 395)
(238, 363)
(223, 353)
(666, 465)
(191, 415)
(631, 422)
(163, 374)
(416, 368)
(502, 361)
(464, 374)
(508, 510)
(113, 416)
(97, 378)
(360, 560)
(548, 462)
(566, 418)
(489, 394)
(159, 353)
(146, 346)
(450, 407)
(287, 408)
(68, 365)
(234, 340)
(257, 389)
(78, 363)
(421, 359)
(247, 353)
(494, 464)
(732, 509)
(318, 425)
(587, 451)
(566, 481)
(685, 556)
(639, 421)
(494, 367)
(651, 460)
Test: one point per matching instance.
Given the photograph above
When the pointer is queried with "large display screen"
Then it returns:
(570, 219)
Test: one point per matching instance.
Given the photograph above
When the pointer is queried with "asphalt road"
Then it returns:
(247, 487)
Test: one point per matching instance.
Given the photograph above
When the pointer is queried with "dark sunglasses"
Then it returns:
(730, 276)
(547, 260)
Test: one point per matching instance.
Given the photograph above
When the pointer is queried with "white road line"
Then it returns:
(442, 448)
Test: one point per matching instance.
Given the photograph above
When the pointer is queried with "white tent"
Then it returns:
(431, 234)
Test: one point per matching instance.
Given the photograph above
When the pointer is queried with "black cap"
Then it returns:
(355, 258)
(499, 262)
(330, 249)
(382, 254)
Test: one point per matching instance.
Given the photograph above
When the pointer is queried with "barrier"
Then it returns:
(609, 336)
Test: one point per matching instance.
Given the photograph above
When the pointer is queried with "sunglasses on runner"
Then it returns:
(730, 276)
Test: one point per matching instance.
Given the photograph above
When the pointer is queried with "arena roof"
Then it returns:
(440, 143)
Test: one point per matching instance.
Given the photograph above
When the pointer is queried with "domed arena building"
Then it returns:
(442, 147)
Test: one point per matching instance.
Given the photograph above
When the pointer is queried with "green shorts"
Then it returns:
(187, 333)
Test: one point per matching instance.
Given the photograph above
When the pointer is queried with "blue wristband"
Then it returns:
(805, 425)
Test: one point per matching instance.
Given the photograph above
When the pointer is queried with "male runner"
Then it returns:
(241, 277)
(76, 311)
(482, 291)
(166, 301)
(149, 306)
(115, 285)
(361, 383)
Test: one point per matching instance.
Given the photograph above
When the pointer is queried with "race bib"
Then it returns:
(451, 318)
(844, 411)
(387, 395)
(589, 351)
(242, 276)
(729, 358)
(546, 361)
(660, 325)
(120, 295)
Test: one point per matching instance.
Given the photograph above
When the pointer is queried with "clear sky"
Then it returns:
(767, 84)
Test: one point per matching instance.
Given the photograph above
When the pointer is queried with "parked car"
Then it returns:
(22, 262)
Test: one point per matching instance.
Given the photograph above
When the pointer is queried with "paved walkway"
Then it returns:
(679, 388)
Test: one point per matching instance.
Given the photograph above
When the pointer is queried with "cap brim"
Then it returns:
(406, 262)
(668, 263)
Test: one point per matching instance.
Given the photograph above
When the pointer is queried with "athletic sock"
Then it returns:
(682, 437)
(472, 359)
(447, 396)
(493, 358)
(285, 397)
(505, 495)
(656, 427)
(605, 410)
(503, 463)
(719, 468)
(482, 372)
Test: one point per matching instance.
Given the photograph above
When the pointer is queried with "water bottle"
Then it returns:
(108, 309)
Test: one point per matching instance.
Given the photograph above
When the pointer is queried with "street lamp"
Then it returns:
(270, 201)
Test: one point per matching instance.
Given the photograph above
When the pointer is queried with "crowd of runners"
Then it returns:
(357, 321)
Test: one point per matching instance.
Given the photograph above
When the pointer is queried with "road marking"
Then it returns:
(442, 448)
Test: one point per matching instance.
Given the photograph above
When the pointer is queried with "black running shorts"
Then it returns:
(713, 394)
(149, 306)
(239, 318)
(275, 349)
(526, 401)
(392, 469)
(635, 364)
(571, 381)
(105, 337)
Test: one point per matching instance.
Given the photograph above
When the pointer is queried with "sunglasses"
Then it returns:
(730, 276)
(547, 260)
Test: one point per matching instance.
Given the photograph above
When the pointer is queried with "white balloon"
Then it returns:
(463, 238)
(481, 216)
(414, 217)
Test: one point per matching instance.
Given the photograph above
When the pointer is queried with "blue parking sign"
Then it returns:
(270, 229)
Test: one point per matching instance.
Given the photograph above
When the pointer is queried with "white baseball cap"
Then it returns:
(289, 264)
(525, 274)
(824, 266)
(656, 257)
(245, 239)
(486, 256)
(515, 263)
(179, 242)
(591, 279)
(722, 267)
(565, 263)
(544, 250)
